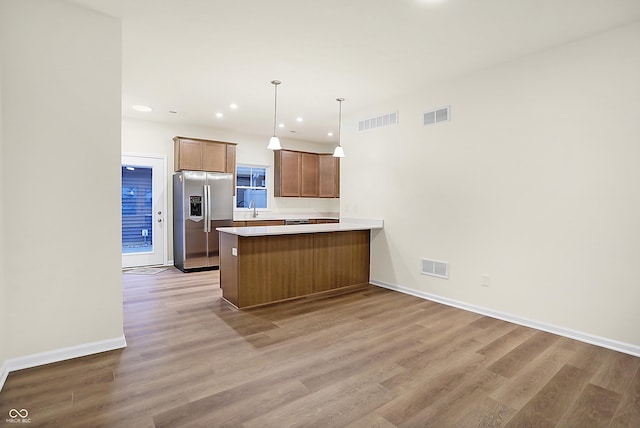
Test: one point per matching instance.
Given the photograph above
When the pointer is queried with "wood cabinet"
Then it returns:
(231, 163)
(194, 154)
(256, 223)
(329, 176)
(267, 269)
(305, 174)
(287, 179)
(309, 175)
(324, 221)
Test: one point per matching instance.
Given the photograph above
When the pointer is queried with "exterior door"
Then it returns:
(144, 206)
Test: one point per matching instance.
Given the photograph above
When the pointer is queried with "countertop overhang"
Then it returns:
(344, 225)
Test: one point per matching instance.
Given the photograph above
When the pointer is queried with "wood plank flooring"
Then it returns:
(369, 358)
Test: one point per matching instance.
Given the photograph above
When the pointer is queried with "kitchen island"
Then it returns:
(267, 264)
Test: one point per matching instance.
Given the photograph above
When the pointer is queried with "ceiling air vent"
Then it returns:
(378, 121)
(436, 116)
(434, 268)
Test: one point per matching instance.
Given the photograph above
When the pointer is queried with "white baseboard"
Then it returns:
(4, 372)
(627, 348)
(57, 355)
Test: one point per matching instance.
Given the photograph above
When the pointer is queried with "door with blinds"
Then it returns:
(144, 203)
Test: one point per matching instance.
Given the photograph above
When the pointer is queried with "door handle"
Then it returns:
(207, 214)
(159, 220)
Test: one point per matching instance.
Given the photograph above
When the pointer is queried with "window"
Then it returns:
(137, 214)
(251, 185)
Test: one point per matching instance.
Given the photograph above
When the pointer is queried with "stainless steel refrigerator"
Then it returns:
(202, 201)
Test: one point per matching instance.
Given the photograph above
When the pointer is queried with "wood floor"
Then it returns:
(372, 358)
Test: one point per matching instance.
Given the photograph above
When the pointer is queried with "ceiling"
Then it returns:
(196, 57)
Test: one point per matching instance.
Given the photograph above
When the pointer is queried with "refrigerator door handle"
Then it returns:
(205, 205)
(207, 208)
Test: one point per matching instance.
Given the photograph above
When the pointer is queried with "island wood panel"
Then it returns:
(274, 268)
(341, 259)
(229, 275)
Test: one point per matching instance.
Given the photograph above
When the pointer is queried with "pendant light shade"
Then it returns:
(339, 152)
(274, 142)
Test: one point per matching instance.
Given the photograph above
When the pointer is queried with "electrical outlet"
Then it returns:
(486, 280)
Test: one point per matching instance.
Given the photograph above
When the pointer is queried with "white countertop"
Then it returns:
(343, 226)
(266, 215)
(286, 218)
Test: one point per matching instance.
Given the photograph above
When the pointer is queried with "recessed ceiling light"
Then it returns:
(330, 134)
(145, 109)
(281, 125)
(218, 115)
(233, 106)
(299, 119)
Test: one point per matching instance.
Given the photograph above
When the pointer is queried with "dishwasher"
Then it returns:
(296, 221)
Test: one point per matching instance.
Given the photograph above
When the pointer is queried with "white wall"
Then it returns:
(3, 303)
(156, 138)
(533, 182)
(61, 116)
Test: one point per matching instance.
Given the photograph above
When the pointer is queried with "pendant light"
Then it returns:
(339, 153)
(274, 142)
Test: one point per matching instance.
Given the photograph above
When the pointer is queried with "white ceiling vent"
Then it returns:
(436, 116)
(434, 268)
(378, 121)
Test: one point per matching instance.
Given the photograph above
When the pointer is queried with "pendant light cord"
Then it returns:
(275, 106)
(340, 100)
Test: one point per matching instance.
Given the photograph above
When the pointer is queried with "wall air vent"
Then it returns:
(436, 116)
(378, 121)
(434, 268)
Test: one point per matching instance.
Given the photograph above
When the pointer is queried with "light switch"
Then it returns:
(486, 280)
(234, 251)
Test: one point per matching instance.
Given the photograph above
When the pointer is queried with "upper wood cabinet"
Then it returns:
(231, 164)
(329, 176)
(304, 174)
(204, 155)
(309, 174)
(287, 165)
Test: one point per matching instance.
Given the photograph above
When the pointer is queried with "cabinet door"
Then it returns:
(231, 164)
(214, 157)
(256, 223)
(309, 170)
(329, 184)
(188, 155)
(287, 173)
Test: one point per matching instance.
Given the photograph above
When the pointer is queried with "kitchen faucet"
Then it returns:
(255, 211)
